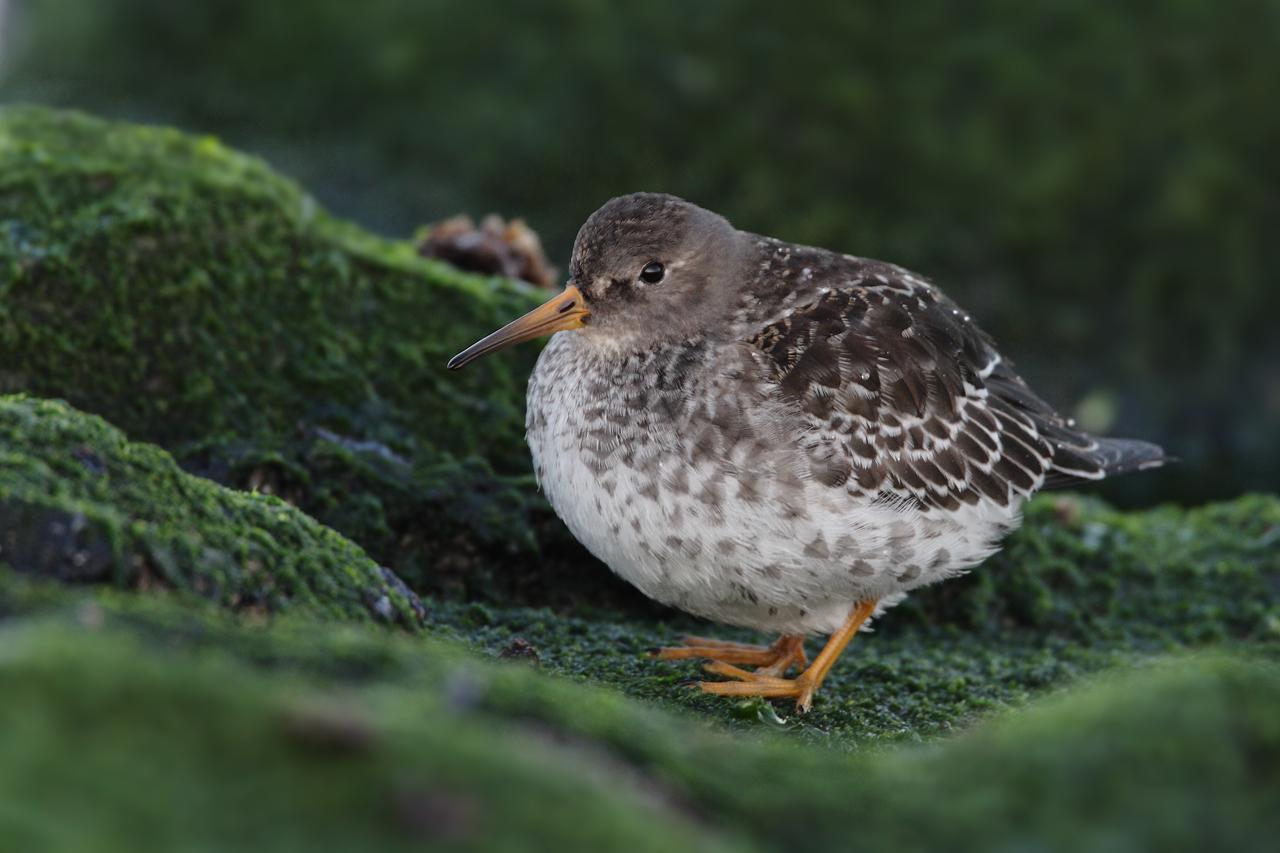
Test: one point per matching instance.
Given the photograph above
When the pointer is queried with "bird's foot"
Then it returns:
(771, 661)
(758, 683)
(766, 681)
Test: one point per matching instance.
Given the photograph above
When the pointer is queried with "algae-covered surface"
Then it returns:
(198, 300)
(80, 503)
(1078, 589)
(1114, 680)
(141, 725)
(263, 585)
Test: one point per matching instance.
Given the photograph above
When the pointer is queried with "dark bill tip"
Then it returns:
(562, 312)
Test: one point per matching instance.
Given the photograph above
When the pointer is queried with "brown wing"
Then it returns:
(908, 401)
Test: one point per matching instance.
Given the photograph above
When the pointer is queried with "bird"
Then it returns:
(776, 436)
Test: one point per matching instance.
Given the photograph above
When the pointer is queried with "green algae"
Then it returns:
(217, 299)
(1079, 569)
(82, 504)
(200, 301)
(187, 724)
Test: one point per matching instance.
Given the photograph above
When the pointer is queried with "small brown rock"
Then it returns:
(495, 247)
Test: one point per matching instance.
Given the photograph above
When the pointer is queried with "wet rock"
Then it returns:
(81, 504)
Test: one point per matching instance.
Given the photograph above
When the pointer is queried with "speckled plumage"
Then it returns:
(786, 430)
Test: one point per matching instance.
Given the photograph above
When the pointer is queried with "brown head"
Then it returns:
(646, 267)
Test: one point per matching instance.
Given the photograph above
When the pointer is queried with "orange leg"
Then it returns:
(772, 660)
(802, 687)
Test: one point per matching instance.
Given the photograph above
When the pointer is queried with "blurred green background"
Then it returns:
(1098, 183)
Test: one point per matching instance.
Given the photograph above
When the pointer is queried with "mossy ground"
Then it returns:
(187, 725)
(1080, 588)
(310, 730)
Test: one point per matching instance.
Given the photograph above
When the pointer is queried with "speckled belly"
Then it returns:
(733, 531)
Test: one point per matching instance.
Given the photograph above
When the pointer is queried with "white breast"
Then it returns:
(733, 531)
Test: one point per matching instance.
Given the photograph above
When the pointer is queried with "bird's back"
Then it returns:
(903, 396)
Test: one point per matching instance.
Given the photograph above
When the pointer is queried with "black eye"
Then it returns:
(652, 272)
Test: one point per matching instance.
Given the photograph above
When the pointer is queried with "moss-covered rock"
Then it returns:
(361, 738)
(82, 504)
(200, 301)
(191, 294)
(130, 724)
(206, 306)
(1081, 570)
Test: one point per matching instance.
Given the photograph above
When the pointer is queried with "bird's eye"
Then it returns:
(652, 272)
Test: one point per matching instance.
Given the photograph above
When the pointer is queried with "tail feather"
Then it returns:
(1103, 457)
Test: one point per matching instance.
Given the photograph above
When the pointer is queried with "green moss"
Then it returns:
(80, 503)
(205, 305)
(216, 299)
(200, 301)
(1082, 570)
(136, 722)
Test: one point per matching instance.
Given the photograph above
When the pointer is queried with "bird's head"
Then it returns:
(646, 267)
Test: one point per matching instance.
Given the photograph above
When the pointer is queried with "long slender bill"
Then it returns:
(562, 312)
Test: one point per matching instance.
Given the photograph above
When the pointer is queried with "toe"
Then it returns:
(731, 671)
(772, 689)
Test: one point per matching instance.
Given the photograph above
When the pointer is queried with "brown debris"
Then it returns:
(520, 649)
(497, 247)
